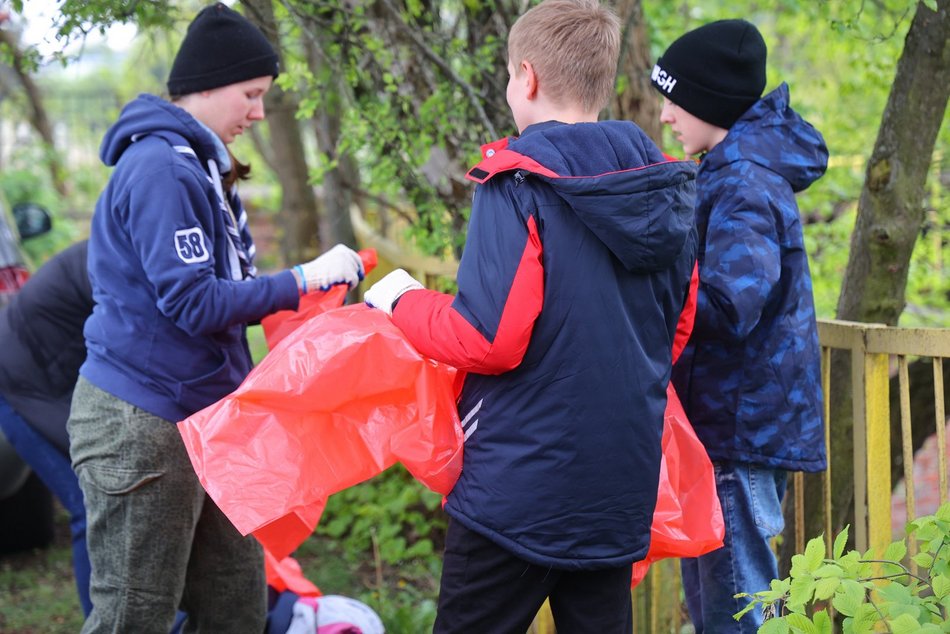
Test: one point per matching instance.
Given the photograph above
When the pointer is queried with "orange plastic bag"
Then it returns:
(687, 520)
(340, 399)
(283, 322)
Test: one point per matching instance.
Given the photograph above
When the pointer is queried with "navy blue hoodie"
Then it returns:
(575, 270)
(168, 330)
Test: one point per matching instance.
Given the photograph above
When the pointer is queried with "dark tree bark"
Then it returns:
(39, 118)
(638, 102)
(298, 215)
(341, 181)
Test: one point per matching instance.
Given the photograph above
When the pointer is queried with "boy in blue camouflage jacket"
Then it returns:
(749, 378)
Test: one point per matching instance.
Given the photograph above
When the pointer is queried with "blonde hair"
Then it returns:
(573, 46)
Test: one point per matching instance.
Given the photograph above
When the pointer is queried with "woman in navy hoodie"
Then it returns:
(172, 273)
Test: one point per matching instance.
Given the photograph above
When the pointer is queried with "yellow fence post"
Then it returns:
(876, 387)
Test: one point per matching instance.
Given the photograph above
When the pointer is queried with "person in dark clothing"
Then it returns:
(576, 267)
(749, 378)
(43, 347)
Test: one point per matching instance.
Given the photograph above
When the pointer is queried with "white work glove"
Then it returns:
(339, 265)
(384, 293)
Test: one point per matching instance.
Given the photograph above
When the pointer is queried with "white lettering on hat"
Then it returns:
(662, 79)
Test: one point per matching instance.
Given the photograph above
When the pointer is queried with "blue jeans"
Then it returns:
(751, 498)
(53, 468)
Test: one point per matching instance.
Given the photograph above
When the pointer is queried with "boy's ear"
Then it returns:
(530, 79)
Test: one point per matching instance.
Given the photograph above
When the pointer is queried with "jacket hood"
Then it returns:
(776, 137)
(618, 183)
(148, 114)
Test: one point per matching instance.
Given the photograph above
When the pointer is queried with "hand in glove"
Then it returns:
(384, 293)
(339, 265)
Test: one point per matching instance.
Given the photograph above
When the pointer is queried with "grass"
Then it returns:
(37, 591)
(38, 594)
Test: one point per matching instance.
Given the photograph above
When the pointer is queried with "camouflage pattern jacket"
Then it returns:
(750, 376)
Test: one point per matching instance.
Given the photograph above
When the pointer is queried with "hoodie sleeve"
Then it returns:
(487, 326)
(741, 267)
(171, 224)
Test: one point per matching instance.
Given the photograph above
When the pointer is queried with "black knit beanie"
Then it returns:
(715, 72)
(221, 47)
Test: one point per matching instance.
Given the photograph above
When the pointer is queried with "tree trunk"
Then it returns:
(342, 180)
(298, 215)
(38, 116)
(638, 102)
(890, 217)
(890, 210)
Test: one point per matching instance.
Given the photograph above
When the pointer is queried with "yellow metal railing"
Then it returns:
(875, 350)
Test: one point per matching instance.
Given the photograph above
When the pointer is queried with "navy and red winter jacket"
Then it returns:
(579, 253)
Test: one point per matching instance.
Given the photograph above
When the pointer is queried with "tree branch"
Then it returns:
(444, 66)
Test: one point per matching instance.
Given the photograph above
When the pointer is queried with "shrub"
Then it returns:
(871, 594)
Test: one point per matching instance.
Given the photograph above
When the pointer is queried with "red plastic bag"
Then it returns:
(687, 520)
(286, 574)
(342, 398)
(283, 322)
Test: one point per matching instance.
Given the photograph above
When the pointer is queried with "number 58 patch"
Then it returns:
(190, 245)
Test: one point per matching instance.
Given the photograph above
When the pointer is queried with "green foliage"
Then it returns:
(20, 182)
(870, 593)
(397, 524)
(393, 516)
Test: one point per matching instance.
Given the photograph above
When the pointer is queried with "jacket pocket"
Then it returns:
(116, 481)
(199, 392)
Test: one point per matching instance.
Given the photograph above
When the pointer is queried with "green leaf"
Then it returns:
(780, 586)
(801, 592)
(801, 623)
(748, 608)
(895, 551)
(826, 587)
(814, 553)
(774, 626)
(822, 622)
(941, 586)
(849, 598)
(840, 541)
(896, 593)
(943, 513)
(904, 624)
(924, 560)
(927, 531)
(850, 563)
(829, 570)
(799, 566)
(865, 619)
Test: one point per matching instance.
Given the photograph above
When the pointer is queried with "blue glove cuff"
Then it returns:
(303, 279)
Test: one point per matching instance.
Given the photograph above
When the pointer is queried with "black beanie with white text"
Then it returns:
(715, 72)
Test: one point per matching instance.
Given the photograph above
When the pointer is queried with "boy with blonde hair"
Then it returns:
(575, 270)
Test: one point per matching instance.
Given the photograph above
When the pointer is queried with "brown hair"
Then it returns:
(573, 46)
(238, 171)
